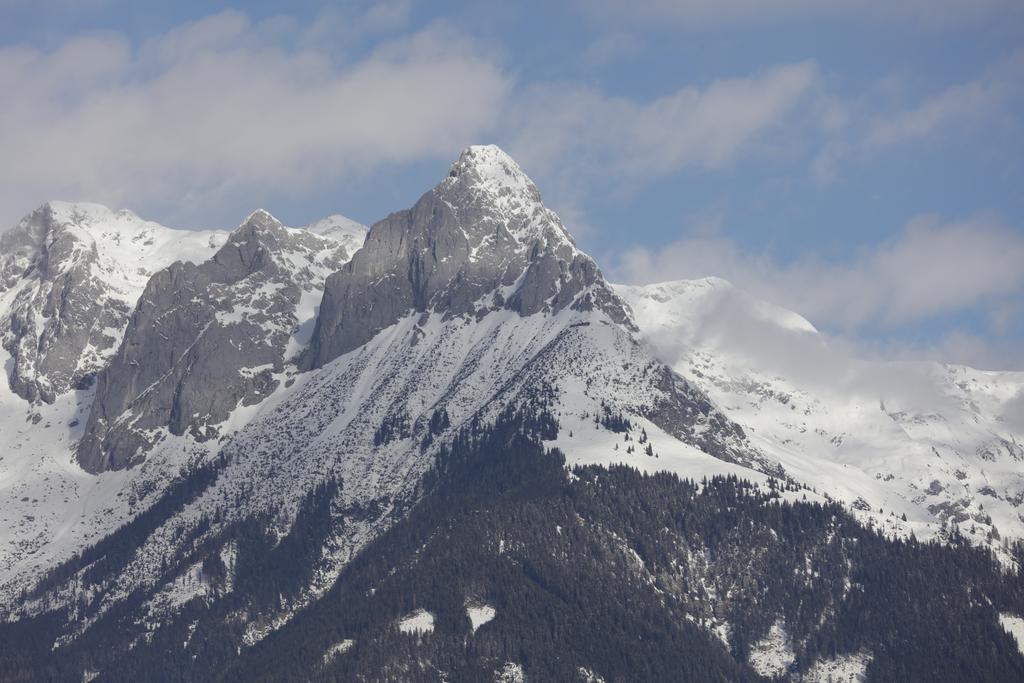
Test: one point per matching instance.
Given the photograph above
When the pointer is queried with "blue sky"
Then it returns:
(859, 163)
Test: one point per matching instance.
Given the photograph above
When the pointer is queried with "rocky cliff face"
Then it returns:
(207, 339)
(467, 322)
(472, 304)
(69, 277)
(480, 241)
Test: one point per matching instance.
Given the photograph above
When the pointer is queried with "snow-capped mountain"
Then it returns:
(472, 301)
(280, 421)
(70, 274)
(934, 442)
(96, 264)
(347, 232)
(205, 339)
(481, 241)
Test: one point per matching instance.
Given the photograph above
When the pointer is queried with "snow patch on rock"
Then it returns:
(772, 655)
(850, 668)
(510, 673)
(338, 648)
(479, 614)
(1014, 625)
(420, 621)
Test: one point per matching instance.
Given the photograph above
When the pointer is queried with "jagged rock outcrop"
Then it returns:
(461, 348)
(206, 339)
(488, 307)
(481, 240)
(69, 277)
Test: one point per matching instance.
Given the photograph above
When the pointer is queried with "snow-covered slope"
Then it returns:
(237, 378)
(473, 302)
(95, 263)
(938, 443)
(347, 232)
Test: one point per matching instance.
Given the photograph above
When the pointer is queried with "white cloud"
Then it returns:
(955, 103)
(987, 98)
(213, 117)
(967, 348)
(224, 108)
(983, 110)
(595, 137)
(1013, 412)
(932, 268)
(204, 121)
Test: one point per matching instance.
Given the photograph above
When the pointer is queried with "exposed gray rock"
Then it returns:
(66, 297)
(482, 241)
(206, 339)
(505, 312)
(479, 241)
(685, 411)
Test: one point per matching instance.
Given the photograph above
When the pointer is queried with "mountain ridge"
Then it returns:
(70, 274)
(481, 231)
(64, 506)
(365, 416)
(282, 405)
(926, 440)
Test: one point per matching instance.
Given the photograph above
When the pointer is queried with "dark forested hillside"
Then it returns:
(593, 574)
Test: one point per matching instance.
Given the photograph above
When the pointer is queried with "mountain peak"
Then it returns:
(344, 231)
(491, 169)
(481, 240)
(35, 228)
(485, 176)
(337, 225)
(497, 202)
(261, 219)
(67, 211)
(257, 242)
(207, 338)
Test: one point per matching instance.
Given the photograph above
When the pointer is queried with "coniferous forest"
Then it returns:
(602, 573)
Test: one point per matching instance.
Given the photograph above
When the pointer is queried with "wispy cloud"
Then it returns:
(988, 98)
(596, 138)
(931, 268)
(983, 109)
(226, 111)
